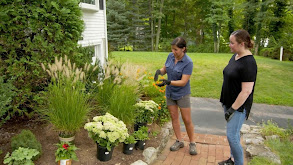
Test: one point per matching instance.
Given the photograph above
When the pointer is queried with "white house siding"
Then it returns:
(95, 32)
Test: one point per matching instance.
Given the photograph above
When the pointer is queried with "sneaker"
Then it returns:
(192, 149)
(177, 145)
(226, 162)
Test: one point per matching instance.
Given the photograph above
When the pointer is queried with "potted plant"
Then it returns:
(21, 156)
(141, 135)
(129, 144)
(67, 103)
(145, 113)
(107, 131)
(65, 153)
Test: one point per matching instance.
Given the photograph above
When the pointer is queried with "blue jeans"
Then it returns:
(233, 135)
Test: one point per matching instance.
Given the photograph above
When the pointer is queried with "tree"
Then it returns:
(117, 24)
(217, 19)
(250, 10)
(159, 24)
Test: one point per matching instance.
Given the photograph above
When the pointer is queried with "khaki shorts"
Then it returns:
(183, 102)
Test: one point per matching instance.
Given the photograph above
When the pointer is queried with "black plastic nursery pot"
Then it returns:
(128, 148)
(138, 125)
(103, 154)
(140, 144)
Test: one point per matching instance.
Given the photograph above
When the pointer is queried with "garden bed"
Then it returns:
(87, 148)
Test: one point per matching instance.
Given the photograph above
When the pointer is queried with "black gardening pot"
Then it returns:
(138, 125)
(128, 148)
(140, 144)
(103, 154)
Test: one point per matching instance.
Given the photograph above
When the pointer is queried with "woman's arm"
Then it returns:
(163, 70)
(181, 82)
(243, 95)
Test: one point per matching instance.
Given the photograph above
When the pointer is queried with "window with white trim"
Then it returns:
(94, 5)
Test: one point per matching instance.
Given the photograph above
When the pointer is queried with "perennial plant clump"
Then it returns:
(107, 131)
(146, 111)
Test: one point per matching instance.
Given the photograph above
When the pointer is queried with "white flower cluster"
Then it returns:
(147, 105)
(107, 127)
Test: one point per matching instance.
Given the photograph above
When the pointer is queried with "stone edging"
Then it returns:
(255, 143)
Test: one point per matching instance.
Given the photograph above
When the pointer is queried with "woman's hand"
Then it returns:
(164, 82)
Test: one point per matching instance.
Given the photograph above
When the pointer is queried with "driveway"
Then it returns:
(208, 116)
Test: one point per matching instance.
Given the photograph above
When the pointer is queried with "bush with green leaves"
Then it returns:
(33, 32)
(26, 139)
(7, 93)
(21, 156)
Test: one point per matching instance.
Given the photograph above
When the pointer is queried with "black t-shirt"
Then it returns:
(236, 72)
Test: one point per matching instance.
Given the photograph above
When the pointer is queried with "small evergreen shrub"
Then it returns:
(26, 139)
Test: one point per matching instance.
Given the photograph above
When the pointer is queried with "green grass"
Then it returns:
(283, 148)
(274, 83)
(258, 160)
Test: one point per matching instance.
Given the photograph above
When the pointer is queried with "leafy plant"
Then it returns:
(130, 140)
(141, 133)
(26, 139)
(21, 156)
(107, 130)
(7, 93)
(65, 151)
(146, 111)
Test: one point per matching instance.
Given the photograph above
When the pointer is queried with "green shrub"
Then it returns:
(26, 139)
(271, 128)
(7, 93)
(33, 32)
(21, 156)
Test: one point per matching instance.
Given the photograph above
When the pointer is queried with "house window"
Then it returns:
(93, 2)
(92, 5)
(101, 4)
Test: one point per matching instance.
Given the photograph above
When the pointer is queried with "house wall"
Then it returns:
(95, 31)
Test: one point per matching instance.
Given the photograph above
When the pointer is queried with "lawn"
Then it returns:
(274, 83)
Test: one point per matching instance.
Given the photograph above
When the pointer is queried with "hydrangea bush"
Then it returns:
(107, 131)
(146, 111)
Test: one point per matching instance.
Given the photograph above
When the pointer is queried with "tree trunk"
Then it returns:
(159, 26)
(152, 25)
(215, 37)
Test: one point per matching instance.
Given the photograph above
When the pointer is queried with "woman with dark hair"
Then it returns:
(178, 67)
(237, 91)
